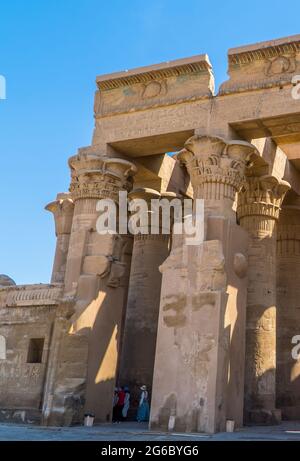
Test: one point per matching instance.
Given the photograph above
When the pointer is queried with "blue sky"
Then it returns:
(50, 54)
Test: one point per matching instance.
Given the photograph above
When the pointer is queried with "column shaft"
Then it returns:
(258, 210)
(88, 355)
(288, 321)
(141, 321)
(201, 319)
(140, 329)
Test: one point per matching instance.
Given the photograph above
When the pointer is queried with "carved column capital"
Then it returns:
(63, 210)
(99, 177)
(260, 201)
(216, 167)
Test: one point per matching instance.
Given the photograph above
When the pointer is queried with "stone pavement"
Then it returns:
(139, 432)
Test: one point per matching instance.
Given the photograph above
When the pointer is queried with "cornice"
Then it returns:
(180, 67)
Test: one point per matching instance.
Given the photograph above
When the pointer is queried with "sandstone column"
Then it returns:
(62, 209)
(198, 372)
(258, 210)
(288, 319)
(94, 284)
(94, 177)
(140, 329)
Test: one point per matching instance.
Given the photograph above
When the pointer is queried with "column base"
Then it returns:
(263, 417)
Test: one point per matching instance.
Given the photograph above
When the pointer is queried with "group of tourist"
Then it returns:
(121, 404)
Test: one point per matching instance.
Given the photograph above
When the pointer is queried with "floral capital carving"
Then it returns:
(217, 167)
(63, 210)
(98, 176)
(259, 203)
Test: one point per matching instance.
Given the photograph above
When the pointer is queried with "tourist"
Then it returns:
(126, 403)
(115, 408)
(143, 410)
(120, 404)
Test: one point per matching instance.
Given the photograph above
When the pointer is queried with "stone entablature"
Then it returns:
(30, 295)
(153, 86)
(263, 65)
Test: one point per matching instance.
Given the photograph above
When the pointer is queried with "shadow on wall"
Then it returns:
(104, 315)
(260, 414)
(288, 390)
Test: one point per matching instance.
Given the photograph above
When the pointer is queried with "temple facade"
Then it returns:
(210, 329)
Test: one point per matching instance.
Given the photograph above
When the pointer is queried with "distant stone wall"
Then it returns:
(26, 319)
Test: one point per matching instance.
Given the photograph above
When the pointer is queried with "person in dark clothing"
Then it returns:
(120, 404)
(115, 408)
(126, 403)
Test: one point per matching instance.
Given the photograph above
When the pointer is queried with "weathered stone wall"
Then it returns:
(25, 313)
